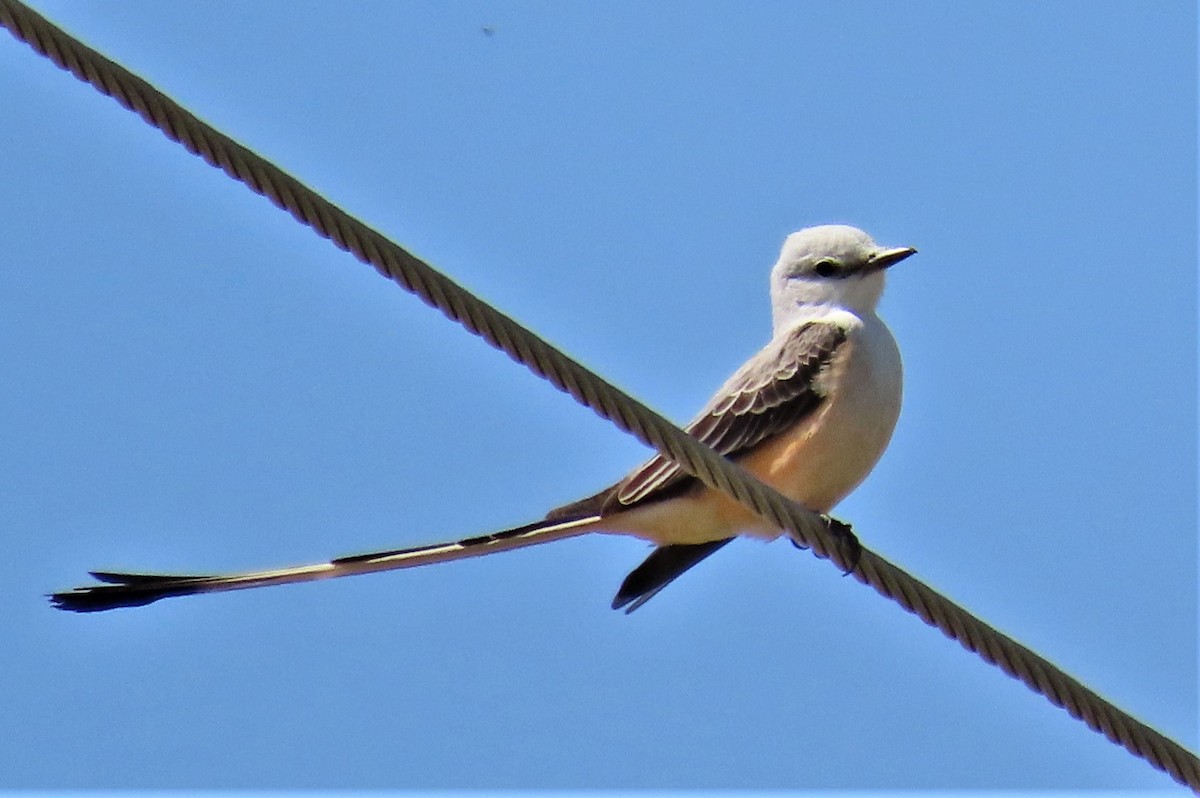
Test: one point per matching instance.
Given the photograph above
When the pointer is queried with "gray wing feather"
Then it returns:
(775, 389)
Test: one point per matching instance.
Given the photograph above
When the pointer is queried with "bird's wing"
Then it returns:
(781, 385)
(778, 387)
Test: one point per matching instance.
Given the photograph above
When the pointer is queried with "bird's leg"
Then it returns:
(843, 538)
(846, 542)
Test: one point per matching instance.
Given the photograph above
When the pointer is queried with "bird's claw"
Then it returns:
(844, 540)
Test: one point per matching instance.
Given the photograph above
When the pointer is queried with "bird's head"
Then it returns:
(833, 265)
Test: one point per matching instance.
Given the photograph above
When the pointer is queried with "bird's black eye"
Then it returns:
(826, 268)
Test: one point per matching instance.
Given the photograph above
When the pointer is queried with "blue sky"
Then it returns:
(191, 381)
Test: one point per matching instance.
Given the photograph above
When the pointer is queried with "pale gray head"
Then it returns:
(831, 265)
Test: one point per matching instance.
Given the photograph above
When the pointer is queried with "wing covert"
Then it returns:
(776, 388)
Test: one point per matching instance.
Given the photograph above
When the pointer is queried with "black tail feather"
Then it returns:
(137, 589)
(126, 590)
(664, 565)
(118, 578)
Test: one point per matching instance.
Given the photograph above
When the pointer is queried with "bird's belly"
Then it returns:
(821, 461)
(823, 458)
(816, 463)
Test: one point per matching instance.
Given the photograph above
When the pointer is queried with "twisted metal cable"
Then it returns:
(567, 375)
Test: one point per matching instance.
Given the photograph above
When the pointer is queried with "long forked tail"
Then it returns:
(134, 590)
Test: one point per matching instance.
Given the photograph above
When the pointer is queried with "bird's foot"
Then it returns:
(844, 540)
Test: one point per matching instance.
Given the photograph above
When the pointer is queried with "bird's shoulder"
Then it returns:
(782, 383)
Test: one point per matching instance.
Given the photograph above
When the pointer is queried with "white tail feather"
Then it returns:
(133, 590)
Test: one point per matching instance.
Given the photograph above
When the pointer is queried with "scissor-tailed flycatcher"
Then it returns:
(810, 415)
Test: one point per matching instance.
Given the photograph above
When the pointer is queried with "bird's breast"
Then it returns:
(817, 462)
(825, 456)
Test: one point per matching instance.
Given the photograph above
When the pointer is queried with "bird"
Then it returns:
(809, 414)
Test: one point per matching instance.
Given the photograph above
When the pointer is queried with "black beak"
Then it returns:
(886, 258)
